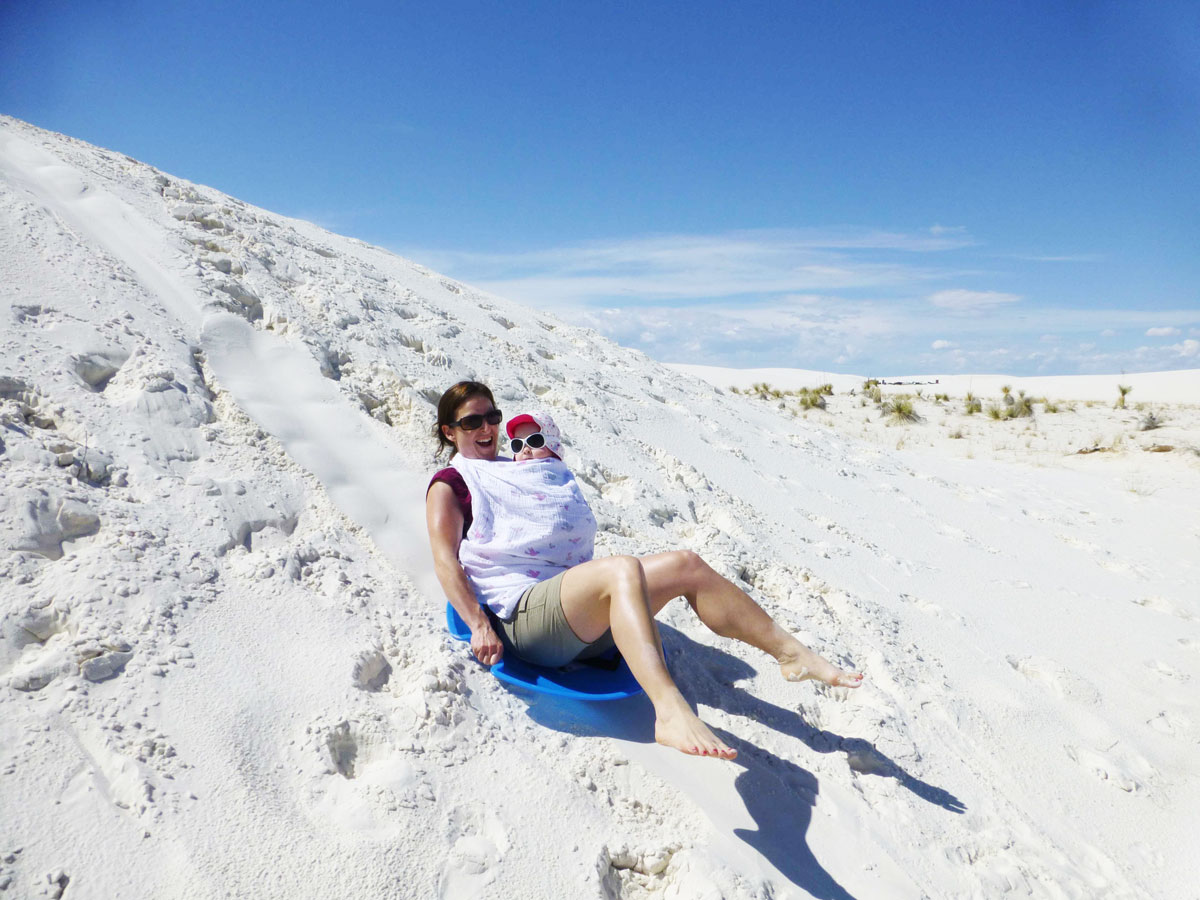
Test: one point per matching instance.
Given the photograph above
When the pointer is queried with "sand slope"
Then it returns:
(223, 670)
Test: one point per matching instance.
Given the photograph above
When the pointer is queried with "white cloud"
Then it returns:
(1188, 349)
(850, 297)
(1165, 331)
(702, 267)
(964, 301)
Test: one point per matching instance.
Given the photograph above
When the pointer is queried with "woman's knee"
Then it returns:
(627, 570)
(690, 569)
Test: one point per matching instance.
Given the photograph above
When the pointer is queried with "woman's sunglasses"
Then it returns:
(535, 441)
(475, 421)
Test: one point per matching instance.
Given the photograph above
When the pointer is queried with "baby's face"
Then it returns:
(523, 431)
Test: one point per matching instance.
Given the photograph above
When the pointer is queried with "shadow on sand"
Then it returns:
(779, 795)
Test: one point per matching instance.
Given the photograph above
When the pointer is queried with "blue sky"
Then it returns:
(873, 188)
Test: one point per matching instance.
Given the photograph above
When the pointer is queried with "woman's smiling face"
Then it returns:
(481, 443)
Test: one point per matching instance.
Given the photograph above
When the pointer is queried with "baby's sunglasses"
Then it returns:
(475, 421)
(536, 441)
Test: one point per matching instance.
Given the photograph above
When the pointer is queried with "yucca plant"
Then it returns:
(900, 410)
(1123, 389)
(974, 405)
(1021, 407)
(810, 399)
(995, 412)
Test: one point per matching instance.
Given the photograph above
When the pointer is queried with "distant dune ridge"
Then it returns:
(224, 671)
(1159, 387)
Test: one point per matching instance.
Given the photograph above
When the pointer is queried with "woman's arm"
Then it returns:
(444, 519)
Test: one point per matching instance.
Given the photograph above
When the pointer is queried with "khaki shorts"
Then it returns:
(538, 630)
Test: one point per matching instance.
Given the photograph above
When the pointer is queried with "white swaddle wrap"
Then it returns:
(529, 522)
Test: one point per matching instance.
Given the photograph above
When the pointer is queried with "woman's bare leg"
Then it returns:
(731, 612)
(611, 593)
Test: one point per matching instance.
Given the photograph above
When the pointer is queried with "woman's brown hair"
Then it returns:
(448, 405)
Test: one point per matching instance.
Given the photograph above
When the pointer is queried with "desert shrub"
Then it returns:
(1049, 407)
(876, 394)
(1021, 407)
(826, 389)
(995, 412)
(870, 383)
(811, 399)
(764, 391)
(942, 398)
(957, 434)
(973, 404)
(900, 410)
(1150, 421)
(1122, 389)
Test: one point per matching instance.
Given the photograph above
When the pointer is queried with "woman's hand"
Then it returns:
(485, 644)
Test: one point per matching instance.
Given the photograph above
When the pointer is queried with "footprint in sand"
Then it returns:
(1129, 774)
(355, 775)
(40, 644)
(1061, 681)
(1163, 605)
(1172, 723)
(1166, 671)
(479, 845)
(371, 670)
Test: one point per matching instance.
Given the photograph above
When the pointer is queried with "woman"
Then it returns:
(617, 596)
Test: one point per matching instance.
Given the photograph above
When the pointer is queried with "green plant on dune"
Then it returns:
(995, 412)
(1151, 421)
(973, 404)
(1123, 389)
(900, 410)
(1021, 407)
(811, 399)
(764, 391)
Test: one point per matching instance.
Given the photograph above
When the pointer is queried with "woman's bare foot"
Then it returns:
(799, 663)
(681, 729)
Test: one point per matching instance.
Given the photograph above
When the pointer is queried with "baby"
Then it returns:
(534, 436)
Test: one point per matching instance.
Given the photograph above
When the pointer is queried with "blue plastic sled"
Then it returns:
(578, 681)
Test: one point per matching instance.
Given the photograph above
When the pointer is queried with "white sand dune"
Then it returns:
(1160, 387)
(224, 671)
